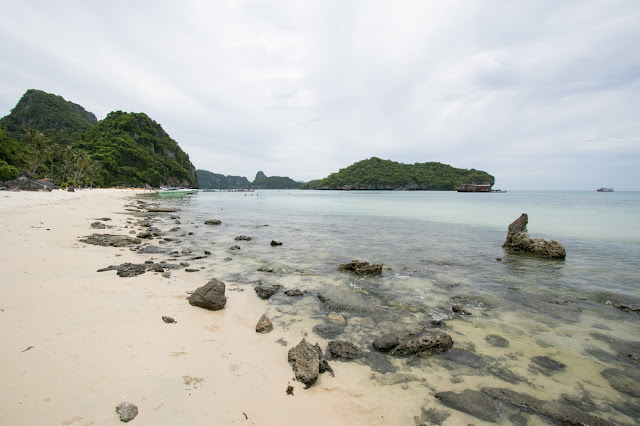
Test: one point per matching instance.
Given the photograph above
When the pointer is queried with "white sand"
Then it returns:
(97, 339)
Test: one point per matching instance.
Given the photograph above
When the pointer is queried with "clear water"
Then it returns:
(441, 249)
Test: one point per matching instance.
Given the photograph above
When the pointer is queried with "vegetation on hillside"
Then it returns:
(276, 182)
(375, 173)
(50, 137)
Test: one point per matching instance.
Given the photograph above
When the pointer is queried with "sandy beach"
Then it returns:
(76, 342)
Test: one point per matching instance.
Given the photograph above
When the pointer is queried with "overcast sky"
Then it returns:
(541, 94)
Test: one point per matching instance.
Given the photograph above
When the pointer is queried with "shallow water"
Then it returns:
(441, 249)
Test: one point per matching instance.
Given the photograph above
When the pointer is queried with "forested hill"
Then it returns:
(47, 136)
(376, 173)
(207, 179)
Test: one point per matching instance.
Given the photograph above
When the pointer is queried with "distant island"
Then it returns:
(209, 180)
(377, 174)
(49, 137)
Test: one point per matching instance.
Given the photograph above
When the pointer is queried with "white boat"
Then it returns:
(176, 191)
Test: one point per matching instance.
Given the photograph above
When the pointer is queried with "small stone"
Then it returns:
(213, 222)
(207, 253)
(191, 270)
(336, 318)
(264, 325)
(243, 238)
(168, 320)
(275, 243)
(234, 248)
(127, 411)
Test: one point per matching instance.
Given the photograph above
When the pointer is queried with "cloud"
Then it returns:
(528, 91)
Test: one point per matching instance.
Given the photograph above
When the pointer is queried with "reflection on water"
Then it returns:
(563, 331)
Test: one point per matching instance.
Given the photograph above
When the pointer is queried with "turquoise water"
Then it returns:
(441, 249)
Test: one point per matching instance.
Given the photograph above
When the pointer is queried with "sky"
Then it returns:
(540, 94)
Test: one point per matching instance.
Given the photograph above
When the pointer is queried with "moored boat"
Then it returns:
(472, 187)
(604, 189)
(176, 191)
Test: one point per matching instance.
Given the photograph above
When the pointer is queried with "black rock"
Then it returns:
(424, 345)
(168, 320)
(361, 268)
(622, 382)
(496, 341)
(191, 270)
(264, 324)
(385, 343)
(378, 362)
(213, 222)
(341, 349)
(546, 365)
(458, 309)
(209, 296)
(243, 238)
(294, 293)
(265, 291)
(150, 249)
(460, 356)
(109, 240)
(234, 248)
(328, 331)
(275, 243)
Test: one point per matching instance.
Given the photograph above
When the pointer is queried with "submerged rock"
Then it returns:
(471, 402)
(341, 349)
(265, 291)
(127, 411)
(328, 331)
(378, 362)
(361, 268)
(424, 345)
(385, 343)
(496, 341)
(209, 296)
(622, 382)
(467, 358)
(275, 243)
(518, 240)
(546, 365)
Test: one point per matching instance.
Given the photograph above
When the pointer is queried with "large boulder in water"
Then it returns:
(424, 345)
(209, 296)
(361, 268)
(518, 239)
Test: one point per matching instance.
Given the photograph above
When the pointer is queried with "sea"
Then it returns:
(562, 331)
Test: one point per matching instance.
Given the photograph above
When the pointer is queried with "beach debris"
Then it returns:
(361, 268)
(496, 341)
(213, 222)
(308, 362)
(424, 345)
(110, 240)
(29, 348)
(209, 296)
(243, 238)
(341, 349)
(289, 389)
(275, 243)
(127, 411)
(264, 325)
(378, 362)
(518, 239)
(265, 291)
(168, 320)
(385, 343)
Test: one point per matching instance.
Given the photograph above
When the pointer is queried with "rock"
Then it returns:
(99, 225)
(424, 345)
(385, 343)
(307, 362)
(341, 349)
(466, 358)
(191, 270)
(109, 240)
(518, 240)
(622, 382)
(168, 320)
(264, 325)
(213, 222)
(275, 243)
(496, 341)
(294, 293)
(209, 296)
(23, 183)
(243, 238)
(546, 365)
(234, 248)
(149, 249)
(328, 331)
(161, 210)
(349, 302)
(265, 291)
(552, 410)
(361, 268)
(472, 402)
(378, 362)
(457, 309)
(126, 270)
(127, 411)
(336, 318)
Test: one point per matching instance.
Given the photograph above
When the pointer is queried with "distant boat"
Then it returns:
(604, 189)
(175, 191)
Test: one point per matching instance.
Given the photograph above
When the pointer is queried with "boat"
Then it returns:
(604, 189)
(176, 191)
(472, 187)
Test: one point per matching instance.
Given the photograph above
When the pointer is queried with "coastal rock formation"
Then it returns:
(109, 240)
(361, 268)
(264, 325)
(518, 239)
(127, 411)
(424, 345)
(341, 349)
(209, 296)
(23, 183)
(307, 361)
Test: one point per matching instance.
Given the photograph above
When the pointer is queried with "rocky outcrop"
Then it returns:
(110, 240)
(23, 183)
(361, 268)
(209, 296)
(308, 362)
(424, 345)
(518, 239)
(341, 349)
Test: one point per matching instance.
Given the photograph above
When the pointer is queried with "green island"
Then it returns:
(377, 174)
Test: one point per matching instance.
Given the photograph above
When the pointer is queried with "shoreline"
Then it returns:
(78, 342)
